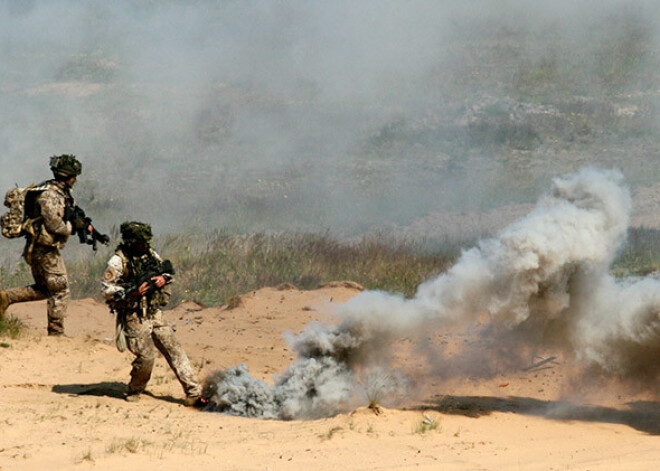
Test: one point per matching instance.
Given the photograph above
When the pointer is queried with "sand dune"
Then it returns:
(62, 405)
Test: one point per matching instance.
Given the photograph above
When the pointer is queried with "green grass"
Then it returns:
(15, 275)
(11, 327)
(215, 269)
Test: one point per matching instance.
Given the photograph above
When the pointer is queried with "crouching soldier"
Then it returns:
(136, 285)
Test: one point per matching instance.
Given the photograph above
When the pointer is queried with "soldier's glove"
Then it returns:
(79, 225)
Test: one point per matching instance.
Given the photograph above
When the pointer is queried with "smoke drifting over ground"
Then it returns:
(261, 115)
(542, 283)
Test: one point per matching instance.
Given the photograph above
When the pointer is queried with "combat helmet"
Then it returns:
(65, 165)
(135, 231)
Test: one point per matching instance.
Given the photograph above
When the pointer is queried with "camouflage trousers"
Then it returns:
(50, 282)
(146, 334)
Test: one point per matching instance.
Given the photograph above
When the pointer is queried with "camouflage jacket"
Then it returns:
(53, 231)
(121, 271)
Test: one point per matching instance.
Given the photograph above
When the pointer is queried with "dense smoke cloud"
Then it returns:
(543, 283)
(260, 115)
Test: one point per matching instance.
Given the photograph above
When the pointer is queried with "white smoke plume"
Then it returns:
(543, 282)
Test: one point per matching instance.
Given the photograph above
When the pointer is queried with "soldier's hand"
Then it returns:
(144, 287)
(159, 281)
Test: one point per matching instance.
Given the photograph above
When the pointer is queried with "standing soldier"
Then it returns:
(136, 285)
(42, 248)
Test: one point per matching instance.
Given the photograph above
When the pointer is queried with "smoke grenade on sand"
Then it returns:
(542, 282)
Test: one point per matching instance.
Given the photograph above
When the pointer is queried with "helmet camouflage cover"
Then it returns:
(133, 230)
(65, 164)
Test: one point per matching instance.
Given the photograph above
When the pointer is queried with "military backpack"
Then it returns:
(23, 214)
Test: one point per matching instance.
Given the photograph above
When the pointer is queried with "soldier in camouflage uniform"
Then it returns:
(42, 249)
(140, 323)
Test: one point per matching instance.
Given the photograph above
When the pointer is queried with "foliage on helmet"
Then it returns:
(133, 230)
(65, 164)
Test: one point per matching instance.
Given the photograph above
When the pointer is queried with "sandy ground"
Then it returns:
(61, 406)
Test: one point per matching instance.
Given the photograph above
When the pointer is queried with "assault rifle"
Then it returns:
(151, 270)
(81, 223)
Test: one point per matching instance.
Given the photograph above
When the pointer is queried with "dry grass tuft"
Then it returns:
(234, 301)
(11, 327)
(342, 284)
(427, 424)
(330, 433)
(286, 287)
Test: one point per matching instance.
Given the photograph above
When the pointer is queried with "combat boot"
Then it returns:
(132, 397)
(4, 303)
(195, 401)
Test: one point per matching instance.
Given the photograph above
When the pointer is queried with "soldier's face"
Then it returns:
(139, 247)
(69, 182)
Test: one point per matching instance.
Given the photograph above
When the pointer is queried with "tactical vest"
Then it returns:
(134, 268)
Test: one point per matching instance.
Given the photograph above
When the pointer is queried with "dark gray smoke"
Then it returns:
(542, 283)
(320, 382)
